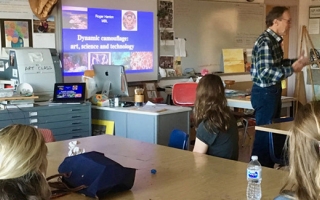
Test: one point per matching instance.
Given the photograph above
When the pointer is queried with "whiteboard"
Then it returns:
(209, 27)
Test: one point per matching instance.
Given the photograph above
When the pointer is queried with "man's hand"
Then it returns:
(300, 63)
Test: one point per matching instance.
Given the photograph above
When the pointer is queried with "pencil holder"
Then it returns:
(138, 99)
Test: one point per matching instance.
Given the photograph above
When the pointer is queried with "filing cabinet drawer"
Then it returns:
(8, 115)
(71, 129)
(71, 136)
(62, 124)
(56, 110)
(5, 123)
(57, 118)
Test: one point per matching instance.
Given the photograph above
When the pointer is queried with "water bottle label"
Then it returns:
(254, 174)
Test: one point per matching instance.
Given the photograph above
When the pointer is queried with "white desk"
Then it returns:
(241, 102)
(181, 174)
(146, 126)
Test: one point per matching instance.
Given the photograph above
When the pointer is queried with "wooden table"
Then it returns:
(280, 128)
(180, 174)
(242, 102)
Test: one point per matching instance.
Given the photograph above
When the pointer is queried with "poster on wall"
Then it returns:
(15, 9)
(314, 27)
(166, 37)
(314, 12)
(44, 32)
(44, 26)
(165, 15)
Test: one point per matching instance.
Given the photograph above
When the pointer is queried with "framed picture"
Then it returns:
(150, 91)
(166, 61)
(314, 12)
(16, 33)
(150, 86)
(100, 127)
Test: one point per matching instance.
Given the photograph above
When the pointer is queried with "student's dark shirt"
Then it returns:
(224, 145)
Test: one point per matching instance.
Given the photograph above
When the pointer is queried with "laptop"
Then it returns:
(69, 93)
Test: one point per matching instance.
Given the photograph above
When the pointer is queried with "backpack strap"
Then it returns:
(60, 188)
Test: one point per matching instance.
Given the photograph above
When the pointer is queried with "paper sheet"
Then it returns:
(74, 149)
(314, 26)
(180, 47)
(233, 60)
(44, 40)
(151, 107)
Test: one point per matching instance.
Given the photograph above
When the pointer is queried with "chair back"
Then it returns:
(184, 94)
(47, 135)
(277, 143)
(178, 139)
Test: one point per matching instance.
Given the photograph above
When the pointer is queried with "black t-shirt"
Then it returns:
(224, 145)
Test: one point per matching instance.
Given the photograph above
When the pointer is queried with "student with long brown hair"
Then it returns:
(304, 155)
(23, 164)
(217, 131)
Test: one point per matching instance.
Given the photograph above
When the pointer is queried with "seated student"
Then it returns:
(304, 155)
(23, 164)
(217, 131)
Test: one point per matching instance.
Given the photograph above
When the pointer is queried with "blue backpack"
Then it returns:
(93, 175)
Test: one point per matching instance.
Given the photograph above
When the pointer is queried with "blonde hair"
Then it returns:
(304, 158)
(23, 163)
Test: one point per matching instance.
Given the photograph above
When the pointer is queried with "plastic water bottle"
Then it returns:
(254, 179)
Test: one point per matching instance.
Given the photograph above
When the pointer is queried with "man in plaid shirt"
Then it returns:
(268, 69)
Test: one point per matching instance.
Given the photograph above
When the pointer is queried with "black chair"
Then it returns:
(243, 119)
(277, 143)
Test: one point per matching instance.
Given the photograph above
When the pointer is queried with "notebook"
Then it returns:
(69, 93)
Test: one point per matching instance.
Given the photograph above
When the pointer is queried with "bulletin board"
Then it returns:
(209, 27)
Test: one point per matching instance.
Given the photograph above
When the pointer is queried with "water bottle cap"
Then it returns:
(254, 157)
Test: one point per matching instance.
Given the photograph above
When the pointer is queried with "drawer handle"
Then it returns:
(32, 114)
(76, 116)
(76, 122)
(33, 121)
(76, 136)
(76, 129)
(75, 109)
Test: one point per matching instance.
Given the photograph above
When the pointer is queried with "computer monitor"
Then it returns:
(111, 80)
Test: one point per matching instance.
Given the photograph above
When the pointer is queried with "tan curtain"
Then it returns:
(42, 8)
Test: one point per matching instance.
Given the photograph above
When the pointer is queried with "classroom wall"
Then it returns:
(218, 25)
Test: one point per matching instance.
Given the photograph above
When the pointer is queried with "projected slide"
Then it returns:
(106, 36)
(67, 91)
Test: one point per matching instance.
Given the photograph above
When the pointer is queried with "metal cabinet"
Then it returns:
(66, 121)
(144, 126)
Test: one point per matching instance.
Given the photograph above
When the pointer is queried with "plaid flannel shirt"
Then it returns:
(268, 66)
